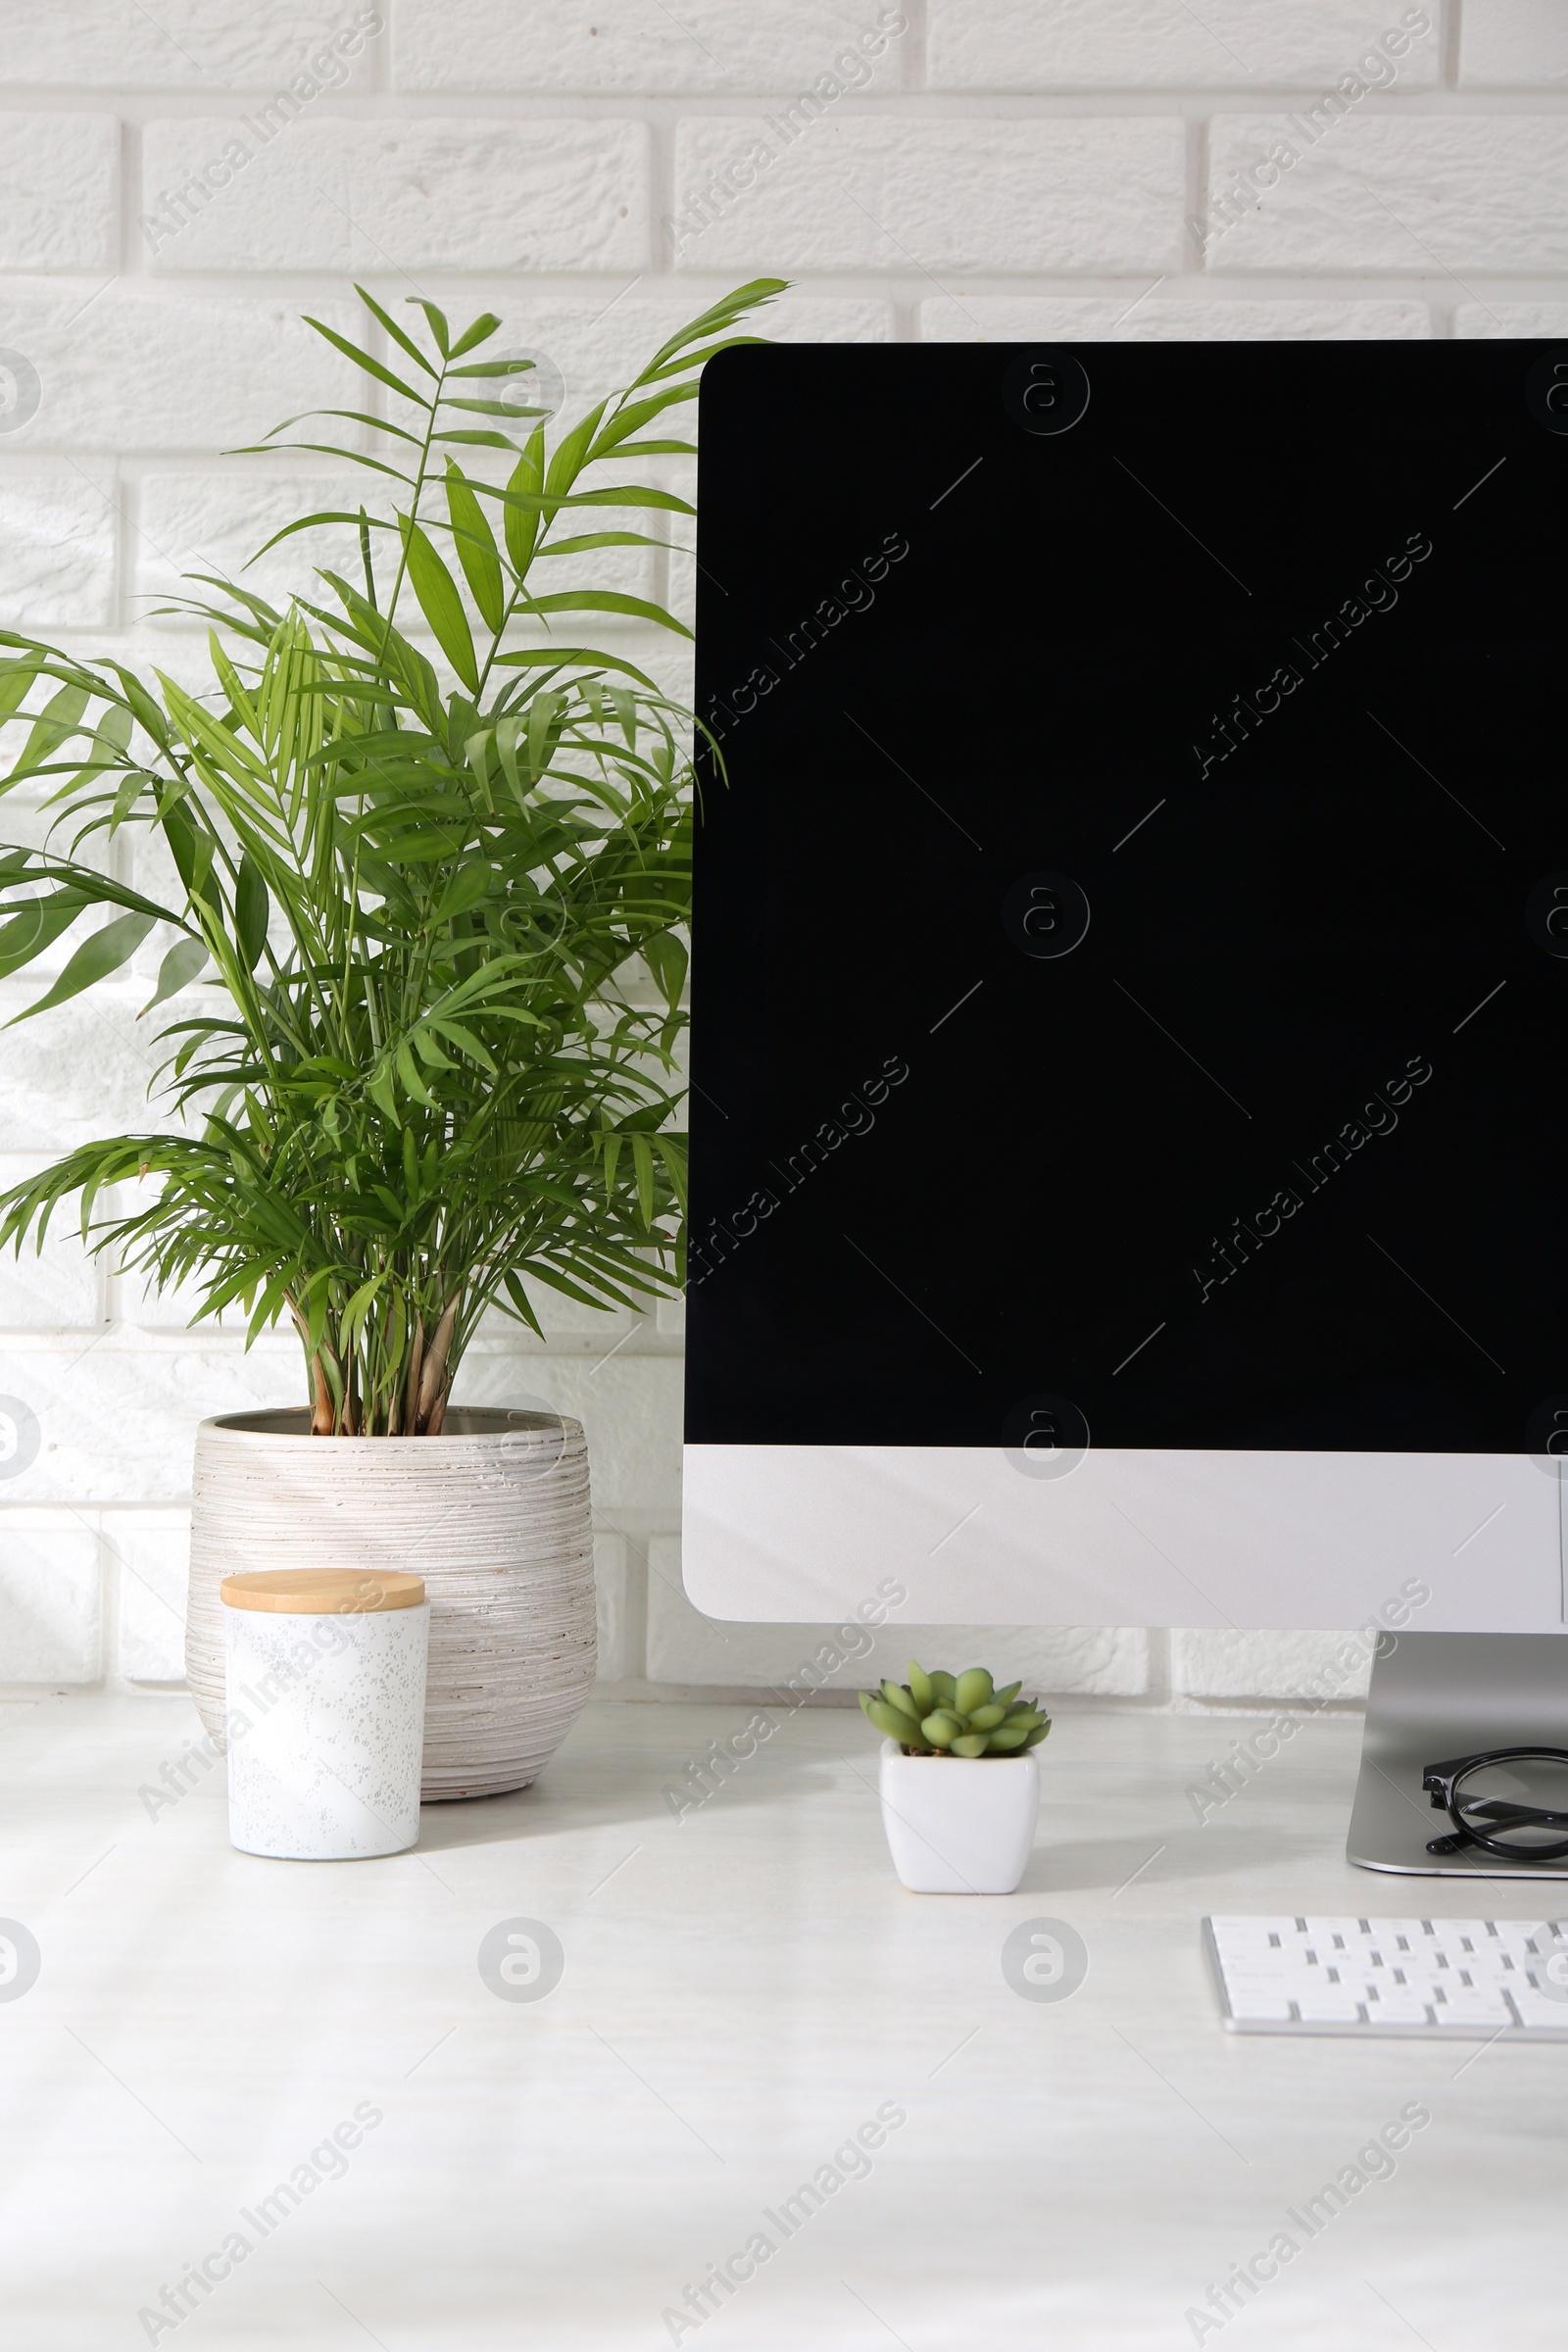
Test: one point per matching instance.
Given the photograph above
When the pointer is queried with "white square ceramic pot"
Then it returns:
(958, 1825)
(325, 1715)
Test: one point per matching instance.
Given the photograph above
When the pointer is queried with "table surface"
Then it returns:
(744, 1986)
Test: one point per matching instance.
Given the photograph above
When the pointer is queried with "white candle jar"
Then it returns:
(324, 1675)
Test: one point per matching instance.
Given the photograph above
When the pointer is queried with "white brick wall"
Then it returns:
(440, 192)
(886, 193)
(60, 193)
(963, 169)
(1127, 45)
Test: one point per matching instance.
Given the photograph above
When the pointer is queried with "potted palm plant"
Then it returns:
(405, 1079)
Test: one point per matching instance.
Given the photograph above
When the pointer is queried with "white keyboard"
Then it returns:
(1454, 1979)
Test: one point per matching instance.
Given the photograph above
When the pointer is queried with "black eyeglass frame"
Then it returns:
(1440, 1781)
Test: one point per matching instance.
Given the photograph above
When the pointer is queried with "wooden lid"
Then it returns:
(323, 1591)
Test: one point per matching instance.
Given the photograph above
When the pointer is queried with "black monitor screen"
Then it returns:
(1130, 989)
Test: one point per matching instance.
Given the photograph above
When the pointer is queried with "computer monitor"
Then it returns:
(1129, 982)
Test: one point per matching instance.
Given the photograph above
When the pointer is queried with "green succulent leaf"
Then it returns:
(993, 1722)
(891, 1721)
(973, 1689)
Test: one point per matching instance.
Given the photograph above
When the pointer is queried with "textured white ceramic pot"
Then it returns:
(325, 1719)
(494, 1514)
(958, 1825)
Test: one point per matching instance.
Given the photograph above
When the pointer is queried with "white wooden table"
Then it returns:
(749, 2006)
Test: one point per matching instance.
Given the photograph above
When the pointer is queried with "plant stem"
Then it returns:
(435, 1364)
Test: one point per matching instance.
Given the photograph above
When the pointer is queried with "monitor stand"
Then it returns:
(1436, 1696)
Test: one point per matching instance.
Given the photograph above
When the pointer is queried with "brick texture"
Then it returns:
(184, 45)
(58, 1288)
(215, 522)
(146, 1559)
(1520, 44)
(638, 47)
(57, 550)
(1230, 1666)
(1127, 44)
(50, 1608)
(424, 193)
(827, 192)
(178, 183)
(133, 371)
(59, 191)
(1022, 318)
(1415, 194)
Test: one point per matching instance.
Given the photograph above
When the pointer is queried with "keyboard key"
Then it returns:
(1329, 2005)
(1262, 2004)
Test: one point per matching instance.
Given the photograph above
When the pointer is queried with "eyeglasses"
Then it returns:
(1510, 1802)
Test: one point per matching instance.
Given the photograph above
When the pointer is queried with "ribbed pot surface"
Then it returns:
(494, 1514)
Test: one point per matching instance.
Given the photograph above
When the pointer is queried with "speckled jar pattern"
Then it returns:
(326, 1732)
(494, 1514)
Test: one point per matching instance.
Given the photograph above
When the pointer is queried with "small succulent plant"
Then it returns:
(956, 1715)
